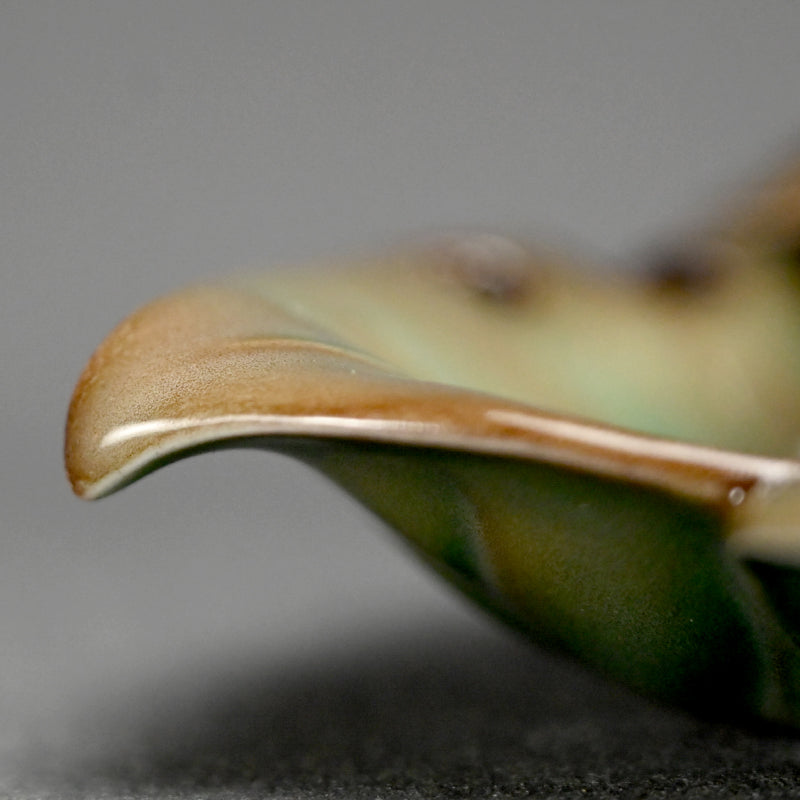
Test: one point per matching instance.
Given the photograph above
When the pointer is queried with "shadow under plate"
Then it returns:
(433, 714)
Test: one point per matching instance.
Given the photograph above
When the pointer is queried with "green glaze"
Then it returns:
(468, 397)
(717, 366)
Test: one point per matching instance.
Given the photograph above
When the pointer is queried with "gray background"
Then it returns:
(146, 145)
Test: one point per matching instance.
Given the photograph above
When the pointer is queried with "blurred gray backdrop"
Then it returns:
(151, 144)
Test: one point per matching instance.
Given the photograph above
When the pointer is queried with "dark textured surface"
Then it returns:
(461, 715)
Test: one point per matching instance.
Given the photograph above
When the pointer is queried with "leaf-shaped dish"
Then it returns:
(474, 396)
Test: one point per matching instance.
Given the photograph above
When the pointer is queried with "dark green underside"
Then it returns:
(633, 581)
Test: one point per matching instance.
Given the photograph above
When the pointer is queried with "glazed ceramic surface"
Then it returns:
(606, 464)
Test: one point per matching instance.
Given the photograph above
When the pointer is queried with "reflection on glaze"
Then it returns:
(257, 423)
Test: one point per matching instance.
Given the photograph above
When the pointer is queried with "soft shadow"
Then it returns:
(462, 714)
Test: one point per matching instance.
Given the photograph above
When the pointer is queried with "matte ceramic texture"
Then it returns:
(605, 463)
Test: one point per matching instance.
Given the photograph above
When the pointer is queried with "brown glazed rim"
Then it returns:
(310, 389)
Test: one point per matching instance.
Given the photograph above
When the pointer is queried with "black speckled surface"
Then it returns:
(426, 716)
